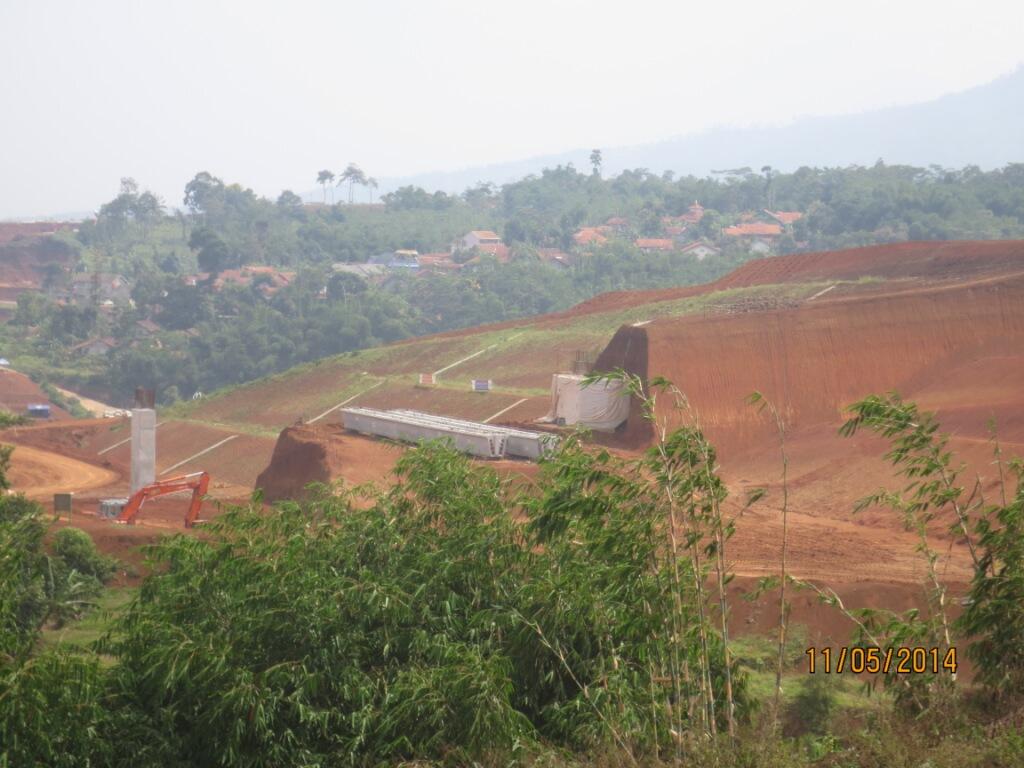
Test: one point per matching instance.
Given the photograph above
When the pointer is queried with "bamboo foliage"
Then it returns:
(461, 618)
(764, 404)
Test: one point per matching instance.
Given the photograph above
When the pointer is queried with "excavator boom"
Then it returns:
(197, 482)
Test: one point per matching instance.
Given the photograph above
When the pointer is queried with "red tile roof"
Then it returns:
(499, 250)
(436, 261)
(753, 229)
(244, 276)
(694, 214)
(698, 244)
(785, 217)
(589, 236)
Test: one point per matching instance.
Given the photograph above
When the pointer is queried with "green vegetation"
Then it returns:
(42, 590)
(208, 335)
(457, 618)
(70, 404)
(8, 419)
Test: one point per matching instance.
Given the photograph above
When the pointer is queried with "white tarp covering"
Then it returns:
(472, 437)
(601, 406)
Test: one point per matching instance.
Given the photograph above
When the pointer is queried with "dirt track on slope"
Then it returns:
(40, 474)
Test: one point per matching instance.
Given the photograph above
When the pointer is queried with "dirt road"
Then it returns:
(40, 474)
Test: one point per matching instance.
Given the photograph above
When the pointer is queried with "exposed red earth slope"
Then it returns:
(958, 346)
(940, 322)
(17, 391)
(26, 256)
(19, 230)
(312, 454)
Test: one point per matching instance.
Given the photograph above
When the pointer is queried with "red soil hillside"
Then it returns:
(24, 261)
(817, 358)
(943, 323)
(954, 347)
(19, 230)
(920, 261)
(17, 391)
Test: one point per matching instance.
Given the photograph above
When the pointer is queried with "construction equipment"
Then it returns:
(197, 482)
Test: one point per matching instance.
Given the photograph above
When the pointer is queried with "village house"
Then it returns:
(437, 262)
(474, 239)
(395, 260)
(785, 218)
(758, 237)
(654, 244)
(94, 347)
(591, 236)
(480, 242)
(700, 249)
(268, 279)
(500, 251)
(693, 214)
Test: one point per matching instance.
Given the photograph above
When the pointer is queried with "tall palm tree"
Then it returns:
(372, 184)
(323, 179)
(353, 174)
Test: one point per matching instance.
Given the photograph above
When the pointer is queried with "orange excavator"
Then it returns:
(198, 482)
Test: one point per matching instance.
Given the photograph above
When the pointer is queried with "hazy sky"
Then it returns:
(266, 94)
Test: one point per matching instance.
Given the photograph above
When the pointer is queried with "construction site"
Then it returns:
(941, 323)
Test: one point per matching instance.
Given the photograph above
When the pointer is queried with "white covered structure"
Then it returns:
(601, 406)
(484, 440)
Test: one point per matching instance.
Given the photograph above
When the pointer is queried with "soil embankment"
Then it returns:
(306, 454)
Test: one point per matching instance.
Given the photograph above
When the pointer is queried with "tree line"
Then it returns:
(241, 333)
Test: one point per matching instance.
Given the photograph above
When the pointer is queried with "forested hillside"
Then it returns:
(231, 286)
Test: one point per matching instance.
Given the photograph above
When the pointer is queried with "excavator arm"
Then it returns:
(197, 482)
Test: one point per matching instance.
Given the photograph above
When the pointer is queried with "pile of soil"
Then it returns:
(307, 454)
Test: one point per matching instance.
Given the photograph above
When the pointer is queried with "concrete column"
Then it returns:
(143, 447)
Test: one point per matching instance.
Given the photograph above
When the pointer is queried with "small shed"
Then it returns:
(38, 410)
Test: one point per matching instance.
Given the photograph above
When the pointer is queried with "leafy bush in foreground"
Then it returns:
(430, 624)
(460, 618)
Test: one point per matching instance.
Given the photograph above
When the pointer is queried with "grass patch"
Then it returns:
(757, 655)
(82, 634)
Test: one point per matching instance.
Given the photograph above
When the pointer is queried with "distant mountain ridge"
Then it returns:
(981, 126)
